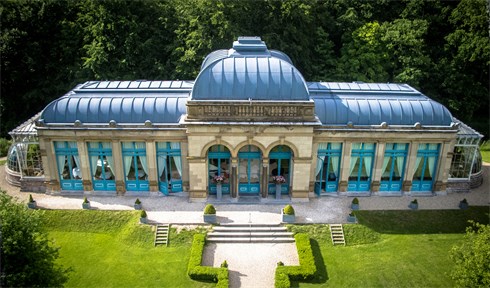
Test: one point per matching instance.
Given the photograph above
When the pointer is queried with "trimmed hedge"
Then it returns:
(306, 269)
(207, 273)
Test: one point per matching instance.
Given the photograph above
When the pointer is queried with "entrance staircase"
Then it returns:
(161, 234)
(337, 234)
(250, 233)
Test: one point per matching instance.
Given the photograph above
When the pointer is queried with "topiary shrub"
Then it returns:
(198, 272)
(85, 200)
(355, 201)
(224, 264)
(137, 201)
(31, 199)
(209, 209)
(288, 210)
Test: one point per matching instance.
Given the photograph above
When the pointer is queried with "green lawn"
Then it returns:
(485, 151)
(388, 249)
(119, 253)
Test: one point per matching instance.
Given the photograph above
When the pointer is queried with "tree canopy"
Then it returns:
(27, 257)
(439, 47)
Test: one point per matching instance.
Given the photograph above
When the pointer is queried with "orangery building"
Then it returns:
(248, 125)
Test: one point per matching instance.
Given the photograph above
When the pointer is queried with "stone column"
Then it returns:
(378, 165)
(198, 174)
(234, 178)
(119, 169)
(410, 168)
(445, 159)
(151, 160)
(345, 166)
(265, 178)
(85, 163)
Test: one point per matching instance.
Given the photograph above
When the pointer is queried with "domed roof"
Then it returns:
(249, 71)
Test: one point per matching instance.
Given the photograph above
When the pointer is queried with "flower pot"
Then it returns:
(143, 220)
(278, 191)
(463, 205)
(32, 205)
(209, 218)
(413, 206)
(137, 206)
(351, 218)
(354, 206)
(86, 205)
(288, 218)
(219, 191)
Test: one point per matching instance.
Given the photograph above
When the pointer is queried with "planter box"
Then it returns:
(32, 205)
(86, 205)
(209, 218)
(143, 220)
(413, 206)
(288, 218)
(463, 205)
(351, 219)
(137, 206)
(354, 206)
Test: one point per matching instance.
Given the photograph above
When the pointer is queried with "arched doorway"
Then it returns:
(280, 165)
(249, 163)
(219, 165)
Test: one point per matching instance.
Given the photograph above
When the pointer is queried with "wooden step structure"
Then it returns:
(337, 234)
(161, 234)
(250, 233)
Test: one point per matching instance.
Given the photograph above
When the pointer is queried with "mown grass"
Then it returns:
(111, 249)
(485, 151)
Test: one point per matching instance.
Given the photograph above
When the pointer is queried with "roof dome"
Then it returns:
(249, 71)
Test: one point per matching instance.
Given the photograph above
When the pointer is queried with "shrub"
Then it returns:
(288, 210)
(464, 201)
(31, 199)
(85, 200)
(4, 146)
(224, 264)
(355, 201)
(143, 214)
(414, 201)
(137, 202)
(306, 269)
(198, 272)
(209, 209)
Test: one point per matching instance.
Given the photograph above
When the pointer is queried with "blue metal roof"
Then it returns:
(126, 102)
(249, 71)
(374, 103)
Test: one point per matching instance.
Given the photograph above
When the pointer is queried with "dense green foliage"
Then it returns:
(288, 210)
(413, 222)
(485, 151)
(306, 268)
(472, 258)
(439, 47)
(206, 273)
(4, 146)
(28, 258)
(209, 209)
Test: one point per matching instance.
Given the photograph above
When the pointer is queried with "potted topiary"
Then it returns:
(86, 203)
(463, 204)
(278, 180)
(31, 204)
(351, 218)
(137, 204)
(219, 179)
(224, 264)
(209, 214)
(287, 214)
(414, 204)
(355, 204)
(143, 217)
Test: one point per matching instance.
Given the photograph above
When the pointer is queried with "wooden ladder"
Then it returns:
(161, 234)
(337, 233)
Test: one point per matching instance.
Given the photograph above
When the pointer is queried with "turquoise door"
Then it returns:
(249, 160)
(135, 166)
(393, 167)
(327, 168)
(101, 166)
(279, 165)
(169, 165)
(68, 165)
(425, 167)
(219, 165)
(360, 167)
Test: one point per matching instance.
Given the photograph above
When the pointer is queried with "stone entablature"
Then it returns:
(256, 111)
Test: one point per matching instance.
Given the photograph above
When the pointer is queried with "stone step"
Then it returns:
(250, 240)
(161, 234)
(337, 234)
(256, 228)
(249, 225)
(250, 234)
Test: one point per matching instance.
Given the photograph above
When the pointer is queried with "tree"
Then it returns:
(27, 258)
(472, 258)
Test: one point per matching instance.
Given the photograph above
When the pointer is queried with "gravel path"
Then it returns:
(250, 265)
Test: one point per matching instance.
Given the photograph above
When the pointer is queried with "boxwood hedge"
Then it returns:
(306, 269)
(207, 273)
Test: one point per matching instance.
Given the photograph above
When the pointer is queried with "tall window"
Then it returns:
(169, 163)
(68, 162)
(393, 167)
(219, 164)
(280, 165)
(102, 166)
(135, 166)
(360, 166)
(425, 167)
(327, 167)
